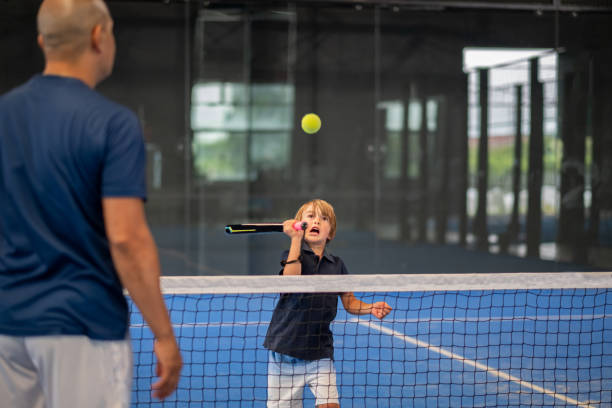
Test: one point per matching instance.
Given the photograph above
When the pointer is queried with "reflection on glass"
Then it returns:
(231, 119)
(509, 68)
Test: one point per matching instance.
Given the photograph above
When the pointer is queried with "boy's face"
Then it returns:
(318, 226)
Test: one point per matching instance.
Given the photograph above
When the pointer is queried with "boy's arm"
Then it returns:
(357, 307)
(294, 265)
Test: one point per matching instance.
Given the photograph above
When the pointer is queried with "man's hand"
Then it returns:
(169, 364)
(380, 309)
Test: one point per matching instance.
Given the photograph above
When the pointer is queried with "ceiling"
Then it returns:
(25, 6)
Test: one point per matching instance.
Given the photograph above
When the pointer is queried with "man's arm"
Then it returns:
(357, 307)
(135, 258)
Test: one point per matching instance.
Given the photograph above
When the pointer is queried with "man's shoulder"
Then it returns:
(69, 92)
(100, 101)
(115, 110)
(16, 91)
(96, 107)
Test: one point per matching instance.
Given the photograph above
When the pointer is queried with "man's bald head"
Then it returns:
(66, 25)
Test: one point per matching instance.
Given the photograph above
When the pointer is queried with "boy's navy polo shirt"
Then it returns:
(300, 325)
(63, 147)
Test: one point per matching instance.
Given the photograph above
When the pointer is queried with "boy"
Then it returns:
(299, 336)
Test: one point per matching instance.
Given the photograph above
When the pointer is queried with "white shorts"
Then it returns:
(64, 371)
(288, 375)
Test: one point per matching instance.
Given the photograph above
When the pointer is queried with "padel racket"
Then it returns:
(257, 228)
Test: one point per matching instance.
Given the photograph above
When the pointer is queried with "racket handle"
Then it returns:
(299, 225)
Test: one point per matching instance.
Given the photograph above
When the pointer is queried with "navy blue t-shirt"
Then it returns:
(300, 325)
(63, 147)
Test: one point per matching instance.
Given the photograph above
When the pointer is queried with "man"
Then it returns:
(73, 231)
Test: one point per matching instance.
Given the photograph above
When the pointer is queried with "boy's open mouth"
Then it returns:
(314, 230)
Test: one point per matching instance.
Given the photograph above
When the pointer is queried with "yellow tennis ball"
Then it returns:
(311, 123)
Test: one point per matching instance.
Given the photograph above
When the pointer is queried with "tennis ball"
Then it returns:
(311, 123)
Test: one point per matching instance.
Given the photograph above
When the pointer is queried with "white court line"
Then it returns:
(475, 364)
(206, 324)
(531, 318)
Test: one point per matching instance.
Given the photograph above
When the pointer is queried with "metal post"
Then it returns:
(423, 174)
(480, 223)
(536, 152)
(514, 226)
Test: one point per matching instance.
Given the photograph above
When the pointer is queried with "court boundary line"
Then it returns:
(475, 364)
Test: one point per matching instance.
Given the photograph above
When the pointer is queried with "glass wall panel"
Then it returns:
(456, 136)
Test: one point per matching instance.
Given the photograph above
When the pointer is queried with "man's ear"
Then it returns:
(96, 37)
(40, 41)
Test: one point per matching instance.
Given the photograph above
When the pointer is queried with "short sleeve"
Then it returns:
(283, 257)
(123, 173)
(343, 269)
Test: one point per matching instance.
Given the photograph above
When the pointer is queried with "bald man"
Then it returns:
(73, 231)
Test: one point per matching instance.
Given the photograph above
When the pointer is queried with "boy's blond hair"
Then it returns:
(324, 208)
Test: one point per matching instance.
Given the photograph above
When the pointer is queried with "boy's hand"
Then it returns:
(380, 309)
(290, 231)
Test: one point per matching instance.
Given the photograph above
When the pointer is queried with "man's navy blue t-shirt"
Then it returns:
(300, 325)
(63, 147)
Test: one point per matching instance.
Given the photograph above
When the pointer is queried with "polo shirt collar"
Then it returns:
(326, 253)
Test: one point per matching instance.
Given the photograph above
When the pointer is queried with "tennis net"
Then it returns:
(451, 340)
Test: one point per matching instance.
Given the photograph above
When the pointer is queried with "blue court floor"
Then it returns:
(436, 349)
